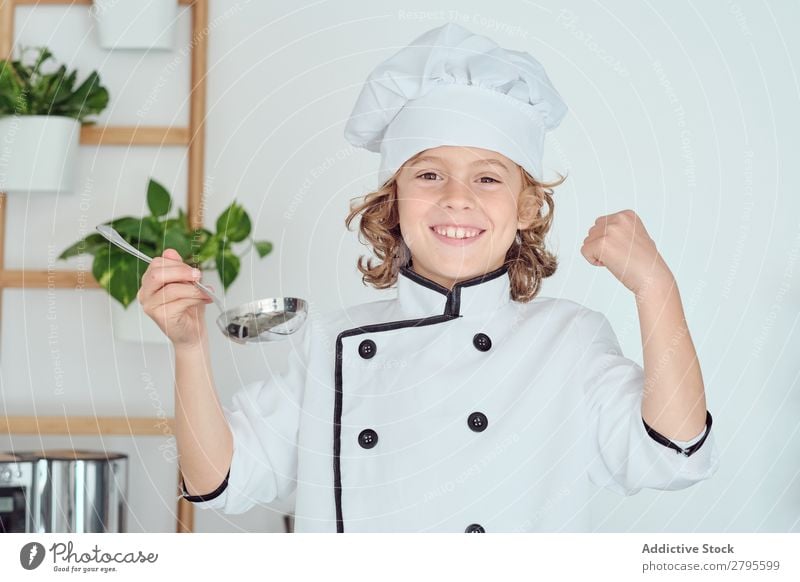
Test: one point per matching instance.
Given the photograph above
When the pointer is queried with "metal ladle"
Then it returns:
(265, 320)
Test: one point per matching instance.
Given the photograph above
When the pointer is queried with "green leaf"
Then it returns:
(11, 89)
(96, 101)
(176, 238)
(135, 230)
(64, 90)
(80, 99)
(158, 199)
(184, 219)
(227, 267)
(206, 247)
(25, 89)
(44, 55)
(24, 71)
(263, 248)
(87, 245)
(198, 238)
(174, 223)
(49, 86)
(234, 223)
(119, 273)
(155, 226)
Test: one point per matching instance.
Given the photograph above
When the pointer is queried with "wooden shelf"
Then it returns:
(86, 425)
(141, 136)
(29, 279)
(83, 2)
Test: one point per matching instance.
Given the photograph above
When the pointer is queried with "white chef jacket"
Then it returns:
(450, 411)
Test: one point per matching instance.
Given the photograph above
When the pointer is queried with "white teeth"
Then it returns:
(453, 232)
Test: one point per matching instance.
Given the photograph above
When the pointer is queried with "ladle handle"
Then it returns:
(115, 238)
(211, 294)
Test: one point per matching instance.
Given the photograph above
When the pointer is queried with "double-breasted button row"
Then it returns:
(476, 421)
(367, 348)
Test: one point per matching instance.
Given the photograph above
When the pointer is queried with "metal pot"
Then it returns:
(75, 491)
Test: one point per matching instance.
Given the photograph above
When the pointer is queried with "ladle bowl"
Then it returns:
(264, 320)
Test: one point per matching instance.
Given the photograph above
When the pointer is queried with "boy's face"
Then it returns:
(452, 186)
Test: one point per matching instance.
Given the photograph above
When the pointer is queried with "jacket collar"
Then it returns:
(422, 297)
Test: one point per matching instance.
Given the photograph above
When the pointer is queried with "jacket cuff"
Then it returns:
(686, 451)
(208, 496)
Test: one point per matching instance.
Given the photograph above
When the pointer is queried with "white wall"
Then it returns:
(685, 113)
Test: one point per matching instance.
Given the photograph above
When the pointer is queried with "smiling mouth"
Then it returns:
(457, 234)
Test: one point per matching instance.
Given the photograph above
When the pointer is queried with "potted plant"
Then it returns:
(133, 24)
(41, 114)
(120, 273)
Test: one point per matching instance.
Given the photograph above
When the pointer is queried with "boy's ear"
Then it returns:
(523, 225)
(527, 211)
(527, 216)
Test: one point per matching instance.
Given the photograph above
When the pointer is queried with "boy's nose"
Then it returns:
(457, 194)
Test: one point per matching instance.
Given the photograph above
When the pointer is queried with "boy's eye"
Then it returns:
(434, 177)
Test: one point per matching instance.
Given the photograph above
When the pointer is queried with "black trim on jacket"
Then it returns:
(452, 310)
(208, 496)
(688, 451)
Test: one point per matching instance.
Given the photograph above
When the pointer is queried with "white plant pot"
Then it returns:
(136, 24)
(38, 153)
(133, 324)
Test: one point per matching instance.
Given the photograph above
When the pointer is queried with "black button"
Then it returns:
(367, 349)
(368, 438)
(475, 528)
(477, 421)
(482, 342)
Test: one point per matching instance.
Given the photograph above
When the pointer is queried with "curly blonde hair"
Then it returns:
(527, 259)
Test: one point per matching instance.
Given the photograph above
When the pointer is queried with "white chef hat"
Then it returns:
(453, 87)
